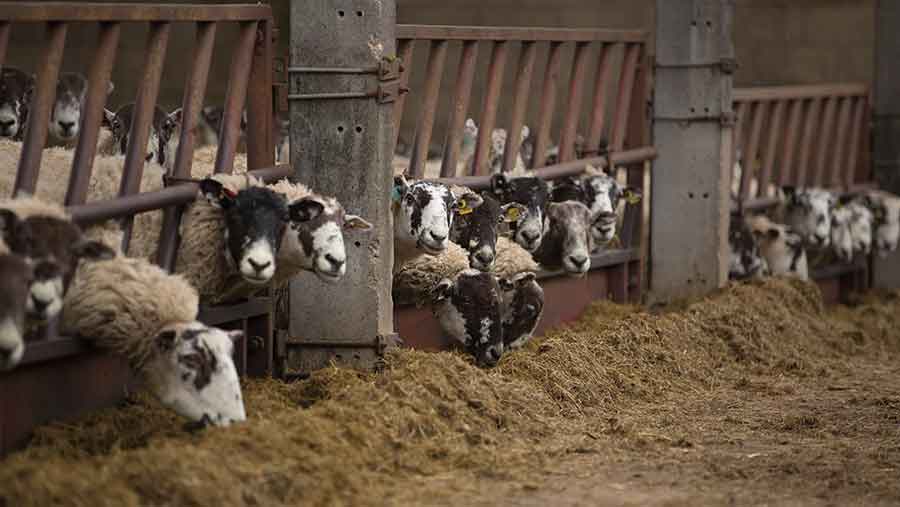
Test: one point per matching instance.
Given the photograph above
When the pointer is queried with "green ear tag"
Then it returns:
(632, 198)
(512, 214)
(395, 194)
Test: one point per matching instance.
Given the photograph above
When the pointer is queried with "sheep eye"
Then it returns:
(410, 200)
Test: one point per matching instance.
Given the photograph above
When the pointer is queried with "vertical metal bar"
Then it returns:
(771, 146)
(437, 55)
(41, 104)
(617, 277)
(235, 97)
(788, 169)
(824, 140)
(92, 113)
(840, 141)
(520, 105)
(489, 107)
(462, 91)
(260, 138)
(548, 104)
(626, 85)
(809, 131)
(759, 112)
(405, 53)
(598, 113)
(573, 104)
(5, 28)
(191, 103)
(740, 119)
(855, 140)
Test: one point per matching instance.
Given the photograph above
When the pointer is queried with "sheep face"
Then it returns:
(841, 237)
(15, 278)
(746, 261)
(65, 117)
(781, 246)
(809, 214)
(54, 248)
(602, 196)
(861, 228)
(477, 231)
(498, 147)
(886, 220)
(16, 88)
(192, 372)
(160, 144)
(255, 218)
(424, 213)
(534, 194)
(316, 236)
(469, 311)
(523, 304)
(567, 238)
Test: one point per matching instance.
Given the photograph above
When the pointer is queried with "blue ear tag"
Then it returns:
(395, 194)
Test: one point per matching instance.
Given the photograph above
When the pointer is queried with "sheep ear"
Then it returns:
(93, 251)
(8, 221)
(356, 222)
(524, 277)
(442, 290)
(468, 202)
(506, 284)
(525, 132)
(216, 194)
(110, 87)
(305, 209)
(165, 341)
(499, 183)
(401, 186)
(512, 212)
(108, 119)
(176, 116)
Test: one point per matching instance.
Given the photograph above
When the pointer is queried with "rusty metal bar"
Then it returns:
(598, 113)
(823, 140)
(800, 92)
(626, 88)
(502, 34)
(5, 28)
(752, 146)
(809, 131)
(191, 104)
(841, 140)
(235, 98)
(520, 105)
(92, 113)
(770, 149)
(437, 55)
(462, 91)
(41, 105)
(855, 140)
(489, 107)
(19, 12)
(740, 118)
(260, 138)
(405, 53)
(548, 103)
(573, 104)
(790, 143)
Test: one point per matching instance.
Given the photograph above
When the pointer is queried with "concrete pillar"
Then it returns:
(341, 146)
(692, 131)
(886, 272)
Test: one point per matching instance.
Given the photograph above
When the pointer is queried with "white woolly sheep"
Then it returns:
(782, 248)
(745, 260)
(468, 309)
(523, 305)
(808, 212)
(851, 230)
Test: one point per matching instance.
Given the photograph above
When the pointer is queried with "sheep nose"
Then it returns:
(39, 305)
(438, 237)
(7, 124)
(259, 267)
(67, 126)
(335, 263)
(531, 236)
(578, 260)
(484, 257)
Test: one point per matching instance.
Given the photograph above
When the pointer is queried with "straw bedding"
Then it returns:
(346, 437)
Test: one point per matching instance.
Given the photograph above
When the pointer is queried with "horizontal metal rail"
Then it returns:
(496, 33)
(39, 12)
(800, 92)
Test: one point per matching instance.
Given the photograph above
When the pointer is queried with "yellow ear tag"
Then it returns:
(632, 198)
(464, 208)
(512, 214)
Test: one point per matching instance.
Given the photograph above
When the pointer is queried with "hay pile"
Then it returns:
(346, 437)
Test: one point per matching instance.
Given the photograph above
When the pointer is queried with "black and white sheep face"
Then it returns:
(15, 279)
(567, 239)
(886, 221)
(745, 261)
(523, 305)
(54, 247)
(468, 310)
(255, 218)
(16, 88)
(424, 213)
(841, 236)
(192, 372)
(809, 214)
(534, 194)
(161, 143)
(602, 196)
(315, 238)
(477, 232)
(65, 117)
(782, 248)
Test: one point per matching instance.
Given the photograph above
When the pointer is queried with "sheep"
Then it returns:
(44, 234)
(808, 212)
(602, 194)
(567, 241)
(851, 229)
(423, 216)
(531, 192)
(498, 147)
(782, 248)
(477, 232)
(885, 208)
(16, 274)
(161, 142)
(523, 305)
(468, 309)
(745, 259)
(139, 311)
(16, 88)
(65, 116)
